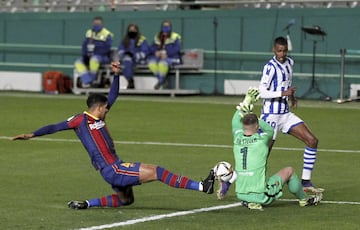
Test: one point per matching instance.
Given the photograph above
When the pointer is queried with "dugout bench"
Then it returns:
(192, 62)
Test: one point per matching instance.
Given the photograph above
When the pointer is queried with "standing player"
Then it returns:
(276, 90)
(93, 133)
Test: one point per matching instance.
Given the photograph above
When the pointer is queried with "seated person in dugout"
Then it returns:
(96, 51)
(165, 52)
(133, 50)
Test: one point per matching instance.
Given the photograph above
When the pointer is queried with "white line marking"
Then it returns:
(189, 100)
(162, 216)
(180, 144)
(183, 213)
(328, 202)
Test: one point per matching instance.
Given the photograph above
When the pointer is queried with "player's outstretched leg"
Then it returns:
(74, 204)
(104, 201)
(296, 188)
(208, 183)
(113, 200)
(178, 181)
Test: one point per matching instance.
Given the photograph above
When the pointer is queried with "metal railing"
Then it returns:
(132, 5)
(68, 50)
(344, 58)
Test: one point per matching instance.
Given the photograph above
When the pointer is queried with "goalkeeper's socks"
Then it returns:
(309, 161)
(295, 187)
(106, 201)
(176, 181)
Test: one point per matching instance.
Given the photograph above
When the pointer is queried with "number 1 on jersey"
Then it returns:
(244, 152)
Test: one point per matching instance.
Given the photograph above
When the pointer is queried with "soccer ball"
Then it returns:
(223, 171)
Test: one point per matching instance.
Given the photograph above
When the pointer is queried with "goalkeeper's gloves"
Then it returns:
(244, 109)
(247, 106)
(251, 96)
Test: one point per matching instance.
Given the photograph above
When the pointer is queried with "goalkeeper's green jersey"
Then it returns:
(250, 154)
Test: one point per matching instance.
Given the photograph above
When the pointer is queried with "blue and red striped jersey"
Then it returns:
(92, 132)
(96, 139)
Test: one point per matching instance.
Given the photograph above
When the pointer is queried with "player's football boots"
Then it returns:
(252, 206)
(309, 187)
(78, 204)
(312, 200)
(208, 183)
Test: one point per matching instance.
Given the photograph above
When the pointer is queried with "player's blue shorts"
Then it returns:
(121, 174)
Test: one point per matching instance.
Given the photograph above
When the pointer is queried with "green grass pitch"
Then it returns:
(187, 135)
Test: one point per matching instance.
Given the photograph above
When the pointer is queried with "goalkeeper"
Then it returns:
(251, 139)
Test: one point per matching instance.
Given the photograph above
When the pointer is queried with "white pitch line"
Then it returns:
(184, 213)
(162, 216)
(329, 202)
(181, 144)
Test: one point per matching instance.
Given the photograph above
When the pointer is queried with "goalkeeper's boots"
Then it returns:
(309, 187)
(312, 200)
(208, 183)
(252, 206)
(78, 204)
(222, 190)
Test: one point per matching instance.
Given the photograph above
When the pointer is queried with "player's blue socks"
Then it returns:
(309, 161)
(176, 181)
(106, 201)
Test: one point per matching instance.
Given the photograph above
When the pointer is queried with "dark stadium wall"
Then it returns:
(250, 30)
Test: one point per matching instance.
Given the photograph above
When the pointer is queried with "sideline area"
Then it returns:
(202, 99)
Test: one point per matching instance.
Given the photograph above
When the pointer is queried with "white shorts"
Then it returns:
(284, 122)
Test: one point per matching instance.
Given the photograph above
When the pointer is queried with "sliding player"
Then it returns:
(93, 133)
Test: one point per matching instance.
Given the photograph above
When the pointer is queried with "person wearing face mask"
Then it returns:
(132, 50)
(165, 52)
(96, 51)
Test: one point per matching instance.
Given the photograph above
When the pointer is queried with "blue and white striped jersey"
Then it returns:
(276, 78)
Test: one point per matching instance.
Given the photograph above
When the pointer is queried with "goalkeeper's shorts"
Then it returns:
(272, 192)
